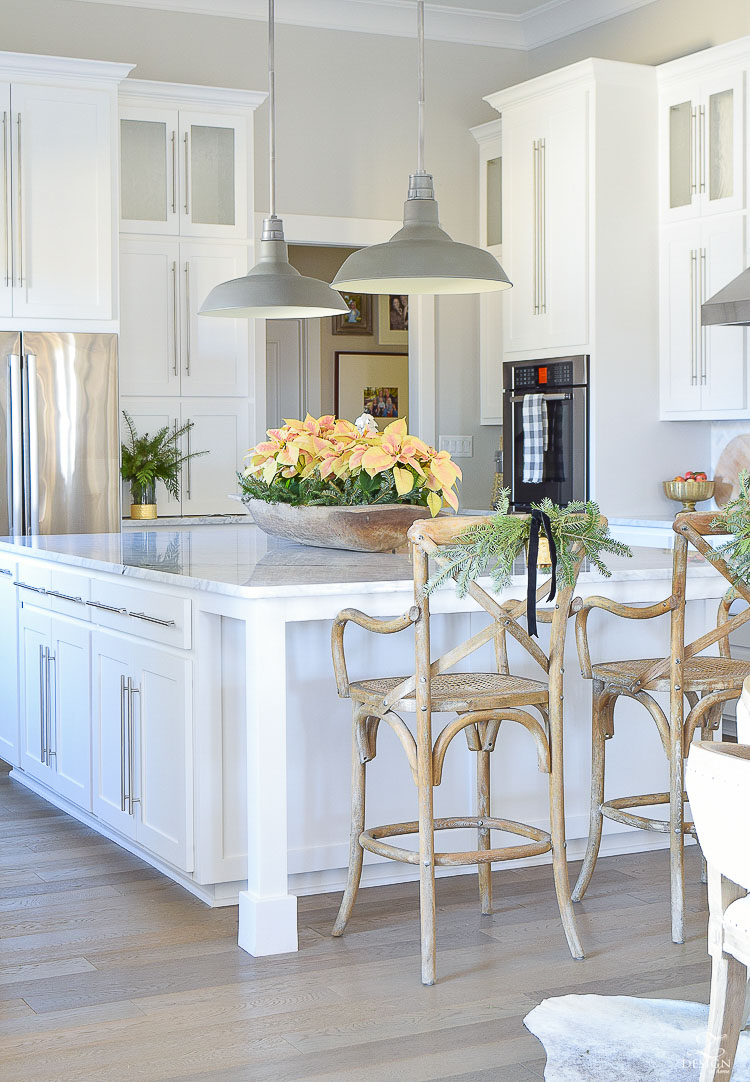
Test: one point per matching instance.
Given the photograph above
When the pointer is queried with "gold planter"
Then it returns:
(143, 510)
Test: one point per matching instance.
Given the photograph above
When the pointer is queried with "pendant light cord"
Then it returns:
(271, 109)
(420, 81)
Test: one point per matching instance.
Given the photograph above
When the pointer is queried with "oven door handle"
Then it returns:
(563, 396)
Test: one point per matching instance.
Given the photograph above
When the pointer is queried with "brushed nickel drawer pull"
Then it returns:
(5, 571)
(26, 586)
(107, 608)
(65, 597)
(152, 619)
(123, 697)
(132, 691)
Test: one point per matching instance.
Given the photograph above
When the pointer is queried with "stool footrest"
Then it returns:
(616, 810)
(541, 841)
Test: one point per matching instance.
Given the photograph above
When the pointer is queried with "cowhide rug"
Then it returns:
(622, 1039)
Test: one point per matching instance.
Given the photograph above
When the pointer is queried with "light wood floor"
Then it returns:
(111, 973)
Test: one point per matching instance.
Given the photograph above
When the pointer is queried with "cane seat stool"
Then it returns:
(704, 683)
(482, 702)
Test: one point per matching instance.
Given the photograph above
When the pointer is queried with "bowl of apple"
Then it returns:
(689, 488)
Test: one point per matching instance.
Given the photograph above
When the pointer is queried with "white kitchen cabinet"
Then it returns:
(55, 704)
(221, 427)
(545, 220)
(9, 668)
(166, 347)
(702, 142)
(57, 218)
(185, 153)
(703, 369)
(142, 745)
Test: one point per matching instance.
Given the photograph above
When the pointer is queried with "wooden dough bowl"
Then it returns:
(358, 529)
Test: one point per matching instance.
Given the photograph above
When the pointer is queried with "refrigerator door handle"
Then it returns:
(15, 448)
(31, 450)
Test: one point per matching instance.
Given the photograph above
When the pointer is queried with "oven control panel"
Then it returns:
(559, 374)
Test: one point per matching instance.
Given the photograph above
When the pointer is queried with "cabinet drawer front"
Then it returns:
(49, 588)
(147, 614)
(8, 568)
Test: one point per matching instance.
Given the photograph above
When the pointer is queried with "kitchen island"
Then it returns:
(173, 689)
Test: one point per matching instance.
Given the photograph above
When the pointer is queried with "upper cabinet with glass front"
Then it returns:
(702, 132)
(185, 159)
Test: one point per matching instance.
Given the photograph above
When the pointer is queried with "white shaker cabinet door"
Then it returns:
(62, 199)
(213, 175)
(9, 670)
(149, 317)
(6, 211)
(163, 755)
(679, 323)
(149, 415)
(220, 426)
(70, 670)
(34, 641)
(111, 666)
(214, 349)
(149, 171)
(723, 370)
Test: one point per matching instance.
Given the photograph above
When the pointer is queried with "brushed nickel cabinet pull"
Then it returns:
(5, 571)
(188, 463)
(187, 175)
(693, 151)
(6, 195)
(543, 225)
(132, 691)
(174, 317)
(536, 226)
(19, 204)
(65, 597)
(152, 619)
(703, 330)
(693, 350)
(702, 155)
(42, 708)
(107, 608)
(174, 172)
(123, 697)
(187, 318)
(27, 586)
(51, 752)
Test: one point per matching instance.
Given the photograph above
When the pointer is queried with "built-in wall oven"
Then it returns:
(563, 383)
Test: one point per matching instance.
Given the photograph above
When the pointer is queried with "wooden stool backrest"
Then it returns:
(428, 537)
(692, 528)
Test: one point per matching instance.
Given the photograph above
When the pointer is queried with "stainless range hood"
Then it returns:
(730, 306)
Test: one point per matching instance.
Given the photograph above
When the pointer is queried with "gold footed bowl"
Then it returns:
(688, 493)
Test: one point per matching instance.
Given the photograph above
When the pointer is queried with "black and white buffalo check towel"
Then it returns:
(535, 436)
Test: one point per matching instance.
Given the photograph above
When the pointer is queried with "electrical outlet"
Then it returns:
(457, 446)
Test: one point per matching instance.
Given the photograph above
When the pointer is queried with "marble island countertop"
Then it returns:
(243, 561)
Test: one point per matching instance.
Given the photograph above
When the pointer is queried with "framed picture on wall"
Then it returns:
(374, 383)
(393, 320)
(358, 320)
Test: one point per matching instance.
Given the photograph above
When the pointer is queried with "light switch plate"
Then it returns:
(457, 446)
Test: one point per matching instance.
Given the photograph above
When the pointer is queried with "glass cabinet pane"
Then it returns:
(143, 146)
(721, 145)
(212, 175)
(680, 154)
(494, 201)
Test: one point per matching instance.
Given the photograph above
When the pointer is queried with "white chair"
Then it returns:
(718, 785)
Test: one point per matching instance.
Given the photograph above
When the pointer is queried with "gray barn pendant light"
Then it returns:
(421, 257)
(273, 289)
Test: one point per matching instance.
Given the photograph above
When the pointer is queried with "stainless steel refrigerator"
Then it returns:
(59, 425)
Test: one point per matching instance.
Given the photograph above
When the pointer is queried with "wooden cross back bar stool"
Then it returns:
(705, 683)
(481, 702)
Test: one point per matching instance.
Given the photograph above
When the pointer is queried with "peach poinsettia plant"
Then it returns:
(327, 461)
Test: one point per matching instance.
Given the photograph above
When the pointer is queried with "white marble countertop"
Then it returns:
(243, 561)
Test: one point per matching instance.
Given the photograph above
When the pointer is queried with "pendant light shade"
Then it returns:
(421, 257)
(273, 289)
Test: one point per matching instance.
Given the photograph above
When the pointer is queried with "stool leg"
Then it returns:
(598, 744)
(677, 838)
(557, 831)
(356, 853)
(484, 871)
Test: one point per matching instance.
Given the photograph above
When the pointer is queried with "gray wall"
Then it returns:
(347, 116)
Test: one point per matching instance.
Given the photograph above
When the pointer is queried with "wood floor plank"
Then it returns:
(111, 973)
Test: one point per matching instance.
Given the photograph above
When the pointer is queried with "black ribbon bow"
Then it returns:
(538, 518)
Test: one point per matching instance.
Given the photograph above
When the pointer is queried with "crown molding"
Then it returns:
(32, 66)
(545, 23)
(138, 91)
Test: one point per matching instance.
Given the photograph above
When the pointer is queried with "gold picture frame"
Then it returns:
(358, 319)
(393, 320)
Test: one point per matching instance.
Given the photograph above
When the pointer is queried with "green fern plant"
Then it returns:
(147, 459)
(735, 520)
(493, 546)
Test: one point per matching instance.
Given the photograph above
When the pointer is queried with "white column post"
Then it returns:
(268, 913)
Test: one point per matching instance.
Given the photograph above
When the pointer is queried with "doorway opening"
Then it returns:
(349, 364)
